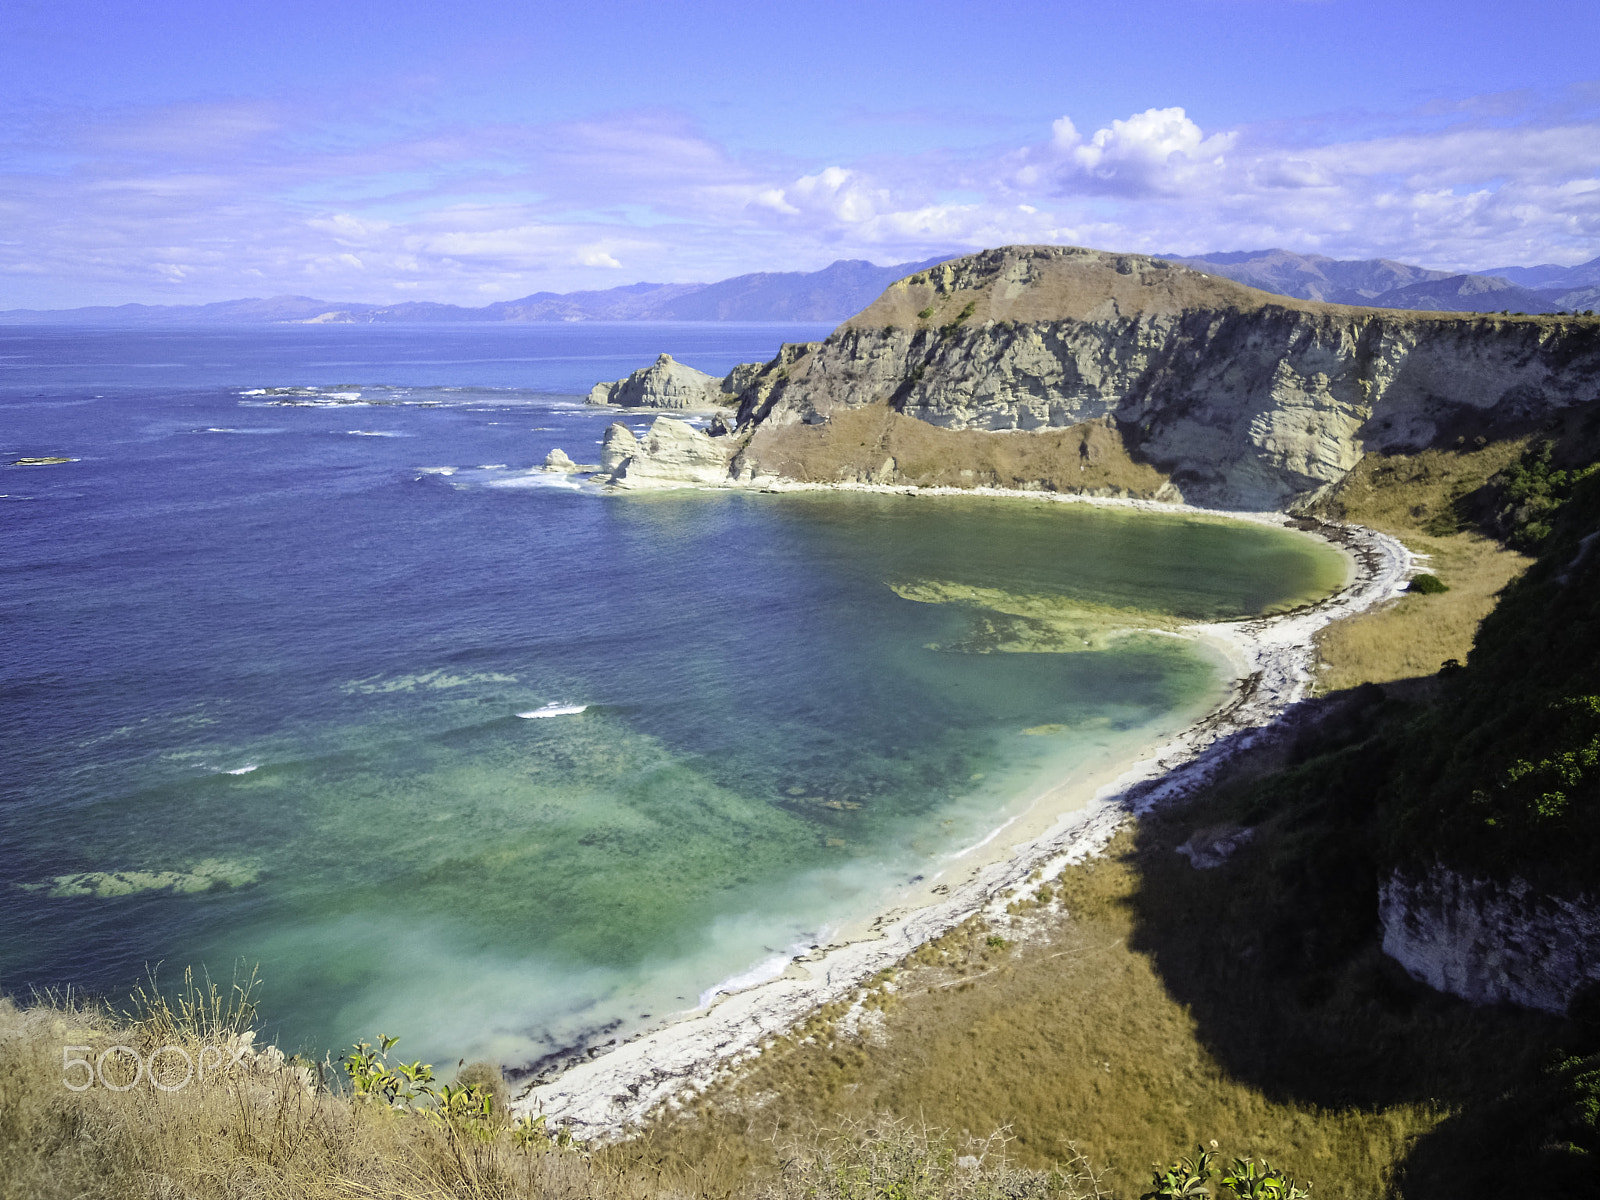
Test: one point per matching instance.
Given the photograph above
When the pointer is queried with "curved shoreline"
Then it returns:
(1273, 656)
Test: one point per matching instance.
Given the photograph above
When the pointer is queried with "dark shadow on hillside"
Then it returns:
(1277, 951)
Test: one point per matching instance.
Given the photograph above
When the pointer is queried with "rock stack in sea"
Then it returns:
(667, 383)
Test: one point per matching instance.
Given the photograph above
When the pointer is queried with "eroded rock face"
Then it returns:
(617, 447)
(1245, 399)
(1491, 943)
(557, 460)
(666, 383)
(669, 453)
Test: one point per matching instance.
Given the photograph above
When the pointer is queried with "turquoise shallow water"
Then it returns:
(261, 690)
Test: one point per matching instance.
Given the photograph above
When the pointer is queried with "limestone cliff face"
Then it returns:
(666, 383)
(1243, 398)
(1491, 943)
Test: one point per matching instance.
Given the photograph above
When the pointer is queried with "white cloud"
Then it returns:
(1160, 148)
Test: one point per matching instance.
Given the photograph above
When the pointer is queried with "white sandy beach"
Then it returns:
(1272, 660)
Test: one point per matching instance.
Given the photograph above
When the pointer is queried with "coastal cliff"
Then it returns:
(1237, 397)
(1180, 384)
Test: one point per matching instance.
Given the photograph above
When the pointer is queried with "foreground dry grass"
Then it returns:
(260, 1126)
(255, 1125)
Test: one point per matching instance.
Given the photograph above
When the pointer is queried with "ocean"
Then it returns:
(304, 667)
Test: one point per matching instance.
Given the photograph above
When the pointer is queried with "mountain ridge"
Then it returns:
(846, 286)
(1386, 283)
(831, 294)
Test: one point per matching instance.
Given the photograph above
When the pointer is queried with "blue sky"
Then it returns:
(181, 152)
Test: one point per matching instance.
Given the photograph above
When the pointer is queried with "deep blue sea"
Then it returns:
(265, 640)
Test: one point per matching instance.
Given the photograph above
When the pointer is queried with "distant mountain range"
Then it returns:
(1383, 283)
(843, 289)
(831, 294)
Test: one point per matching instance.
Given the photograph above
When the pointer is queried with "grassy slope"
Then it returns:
(875, 443)
(1072, 1033)
(263, 1127)
(1412, 497)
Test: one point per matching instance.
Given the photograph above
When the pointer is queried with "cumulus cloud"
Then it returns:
(1159, 149)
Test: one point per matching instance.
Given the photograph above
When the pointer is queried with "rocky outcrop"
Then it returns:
(670, 453)
(1242, 398)
(667, 383)
(1491, 943)
(558, 460)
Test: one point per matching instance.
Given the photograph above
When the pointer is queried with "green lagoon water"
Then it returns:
(266, 671)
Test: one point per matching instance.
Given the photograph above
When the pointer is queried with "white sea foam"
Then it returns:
(979, 845)
(538, 479)
(244, 770)
(437, 470)
(767, 968)
(374, 433)
(553, 710)
(491, 466)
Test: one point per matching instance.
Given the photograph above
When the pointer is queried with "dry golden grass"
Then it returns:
(1415, 497)
(1410, 637)
(1404, 494)
(1066, 1036)
(265, 1128)
(261, 1126)
(875, 443)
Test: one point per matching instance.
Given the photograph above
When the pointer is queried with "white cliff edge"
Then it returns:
(1490, 943)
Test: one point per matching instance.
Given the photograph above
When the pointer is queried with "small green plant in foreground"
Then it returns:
(372, 1078)
(1244, 1179)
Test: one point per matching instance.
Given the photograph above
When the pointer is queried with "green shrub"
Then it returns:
(1428, 585)
(1531, 491)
